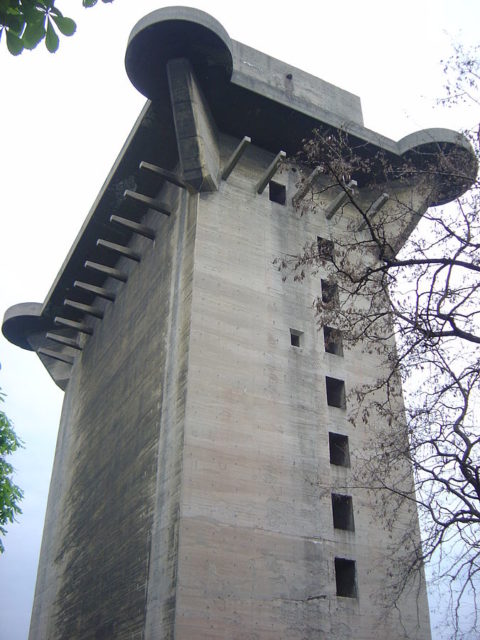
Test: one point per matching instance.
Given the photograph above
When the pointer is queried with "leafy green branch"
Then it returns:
(26, 23)
(10, 493)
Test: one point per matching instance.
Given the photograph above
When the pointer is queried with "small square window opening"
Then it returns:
(325, 249)
(277, 192)
(296, 338)
(345, 577)
(335, 393)
(329, 293)
(342, 509)
(339, 450)
(333, 341)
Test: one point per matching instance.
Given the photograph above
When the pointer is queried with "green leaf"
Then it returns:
(6, 8)
(89, 3)
(15, 22)
(65, 25)
(34, 32)
(51, 38)
(14, 43)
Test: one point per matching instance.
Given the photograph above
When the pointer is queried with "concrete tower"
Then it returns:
(196, 427)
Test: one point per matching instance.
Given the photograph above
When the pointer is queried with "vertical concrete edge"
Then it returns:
(161, 593)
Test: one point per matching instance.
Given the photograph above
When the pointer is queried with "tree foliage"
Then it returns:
(25, 23)
(426, 295)
(10, 493)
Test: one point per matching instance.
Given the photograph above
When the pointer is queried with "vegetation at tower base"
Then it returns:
(26, 23)
(10, 493)
(427, 295)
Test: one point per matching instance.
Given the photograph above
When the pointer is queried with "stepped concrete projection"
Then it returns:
(204, 412)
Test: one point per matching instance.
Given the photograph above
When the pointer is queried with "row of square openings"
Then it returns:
(332, 339)
(342, 511)
(342, 505)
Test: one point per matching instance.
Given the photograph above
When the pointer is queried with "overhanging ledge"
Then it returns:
(23, 320)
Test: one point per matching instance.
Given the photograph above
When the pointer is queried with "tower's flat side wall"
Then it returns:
(257, 542)
(112, 516)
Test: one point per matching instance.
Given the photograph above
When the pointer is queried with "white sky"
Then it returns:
(65, 117)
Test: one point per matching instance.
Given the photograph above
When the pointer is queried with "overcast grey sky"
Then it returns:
(65, 117)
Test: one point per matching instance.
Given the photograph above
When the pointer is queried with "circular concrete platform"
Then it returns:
(176, 32)
(23, 320)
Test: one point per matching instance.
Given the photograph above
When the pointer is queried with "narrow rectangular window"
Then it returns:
(345, 576)
(342, 510)
(339, 450)
(277, 192)
(329, 293)
(333, 341)
(335, 392)
(296, 338)
(325, 249)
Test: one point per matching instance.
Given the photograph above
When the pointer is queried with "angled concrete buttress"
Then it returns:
(196, 431)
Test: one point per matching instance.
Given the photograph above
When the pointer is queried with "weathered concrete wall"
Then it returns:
(191, 495)
(257, 543)
(113, 507)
